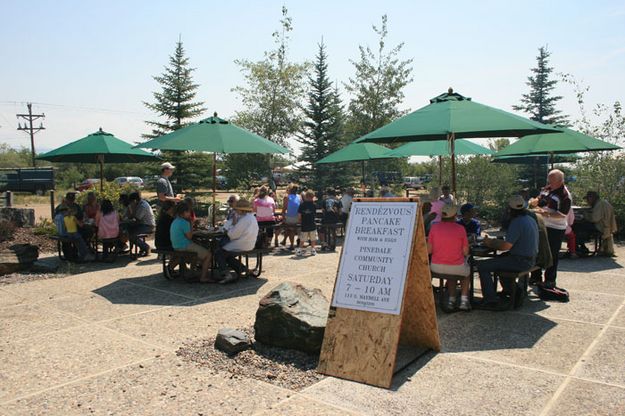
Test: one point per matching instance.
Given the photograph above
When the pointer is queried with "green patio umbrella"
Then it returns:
(440, 148)
(538, 159)
(568, 141)
(99, 147)
(214, 135)
(451, 116)
(358, 152)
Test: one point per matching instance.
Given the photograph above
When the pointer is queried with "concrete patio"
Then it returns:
(103, 342)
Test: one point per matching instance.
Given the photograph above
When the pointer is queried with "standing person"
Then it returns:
(346, 202)
(331, 209)
(180, 233)
(602, 219)
(241, 237)
(449, 247)
(306, 217)
(447, 197)
(291, 204)
(162, 238)
(164, 190)
(141, 213)
(554, 204)
(265, 209)
(521, 242)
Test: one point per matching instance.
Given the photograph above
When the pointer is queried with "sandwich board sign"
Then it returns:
(382, 294)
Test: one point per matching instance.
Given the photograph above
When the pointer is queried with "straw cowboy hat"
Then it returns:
(242, 205)
(449, 211)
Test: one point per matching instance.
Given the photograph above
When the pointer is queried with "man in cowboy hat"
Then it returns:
(241, 237)
(164, 190)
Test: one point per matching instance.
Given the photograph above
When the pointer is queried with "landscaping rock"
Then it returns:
(232, 341)
(17, 257)
(292, 316)
(21, 217)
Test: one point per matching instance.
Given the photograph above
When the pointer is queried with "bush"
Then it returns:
(110, 191)
(44, 227)
(7, 230)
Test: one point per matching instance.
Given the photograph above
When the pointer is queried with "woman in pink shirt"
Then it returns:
(265, 207)
(448, 245)
(107, 221)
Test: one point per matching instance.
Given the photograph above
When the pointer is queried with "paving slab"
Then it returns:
(605, 362)
(35, 364)
(8, 299)
(619, 320)
(445, 384)
(115, 300)
(609, 282)
(31, 320)
(171, 327)
(582, 398)
(163, 386)
(304, 405)
(526, 340)
(589, 307)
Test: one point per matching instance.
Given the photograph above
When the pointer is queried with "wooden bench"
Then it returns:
(441, 286)
(522, 276)
(134, 248)
(108, 248)
(60, 240)
(181, 259)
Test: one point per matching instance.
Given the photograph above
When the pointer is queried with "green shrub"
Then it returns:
(44, 227)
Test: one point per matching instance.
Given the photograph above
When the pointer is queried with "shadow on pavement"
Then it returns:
(588, 264)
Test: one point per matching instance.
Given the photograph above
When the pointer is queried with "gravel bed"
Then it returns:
(25, 277)
(285, 368)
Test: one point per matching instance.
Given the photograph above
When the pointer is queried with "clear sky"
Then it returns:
(90, 64)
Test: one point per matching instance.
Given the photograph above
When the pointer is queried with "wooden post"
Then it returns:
(363, 345)
(52, 204)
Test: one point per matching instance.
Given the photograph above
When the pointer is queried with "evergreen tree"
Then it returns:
(322, 130)
(271, 99)
(175, 104)
(539, 103)
(377, 87)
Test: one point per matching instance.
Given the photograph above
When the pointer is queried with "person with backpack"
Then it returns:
(291, 204)
(331, 208)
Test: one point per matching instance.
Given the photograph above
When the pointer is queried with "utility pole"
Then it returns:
(30, 117)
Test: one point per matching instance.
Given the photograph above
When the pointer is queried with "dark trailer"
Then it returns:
(35, 180)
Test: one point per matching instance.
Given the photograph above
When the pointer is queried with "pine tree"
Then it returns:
(323, 126)
(539, 103)
(175, 104)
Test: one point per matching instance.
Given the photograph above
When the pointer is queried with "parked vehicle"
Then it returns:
(134, 181)
(413, 182)
(35, 180)
(87, 184)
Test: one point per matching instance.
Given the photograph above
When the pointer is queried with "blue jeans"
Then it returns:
(80, 244)
(509, 263)
(136, 229)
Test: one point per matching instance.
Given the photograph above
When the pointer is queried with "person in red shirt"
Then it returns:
(448, 245)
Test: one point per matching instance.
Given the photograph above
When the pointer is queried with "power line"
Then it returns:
(74, 107)
(30, 117)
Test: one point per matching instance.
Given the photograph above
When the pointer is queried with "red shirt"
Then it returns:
(448, 240)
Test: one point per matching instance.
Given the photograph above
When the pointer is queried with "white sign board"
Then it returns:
(375, 257)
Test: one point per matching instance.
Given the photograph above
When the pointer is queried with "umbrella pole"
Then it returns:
(440, 171)
(452, 146)
(214, 187)
(551, 159)
(362, 168)
(101, 160)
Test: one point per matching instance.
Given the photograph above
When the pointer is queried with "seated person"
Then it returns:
(521, 242)
(143, 222)
(600, 219)
(241, 237)
(107, 221)
(181, 233)
(468, 221)
(437, 205)
(447, 197)
(71, 223)
(448, 245)
(162, 239)
(91, 207)
(190, 202)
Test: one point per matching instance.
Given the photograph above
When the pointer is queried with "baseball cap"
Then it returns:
(517, 202)
(167, 165)
(466, 208)
(449, 210)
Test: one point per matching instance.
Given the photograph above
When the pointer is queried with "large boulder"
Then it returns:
(17, 257)
(21, 217)
(232, 341)
(292, 316)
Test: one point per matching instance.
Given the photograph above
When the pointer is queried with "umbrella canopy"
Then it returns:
(538, 159)
(439, 148)
(98, 147)
(568, 141)
(214, 135)
(453, 116)
(357, 152)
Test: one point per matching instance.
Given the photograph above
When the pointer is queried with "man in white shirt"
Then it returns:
(346, 202)
(241, 237)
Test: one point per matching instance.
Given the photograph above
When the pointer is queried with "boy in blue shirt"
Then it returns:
(468, 221)
(181, 233)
